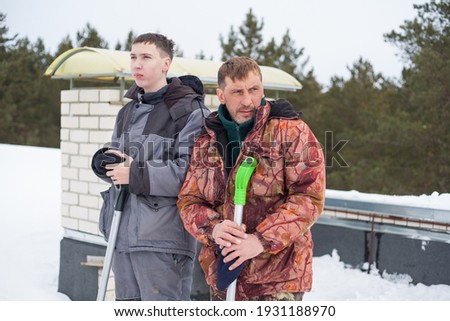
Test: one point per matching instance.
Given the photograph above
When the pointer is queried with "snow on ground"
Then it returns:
(435, 200)
(31, 230)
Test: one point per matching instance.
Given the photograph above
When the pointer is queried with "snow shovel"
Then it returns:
(243, 175)
(118, 208)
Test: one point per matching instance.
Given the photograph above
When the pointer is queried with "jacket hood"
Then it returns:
(184, 85)
(282, 108)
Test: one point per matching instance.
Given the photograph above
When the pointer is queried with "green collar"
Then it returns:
(235, 132)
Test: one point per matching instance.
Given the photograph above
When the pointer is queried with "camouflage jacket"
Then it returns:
(285, 197)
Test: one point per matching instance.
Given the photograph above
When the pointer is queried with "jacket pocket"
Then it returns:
(106, 212)
(268, 268)
(158, 219)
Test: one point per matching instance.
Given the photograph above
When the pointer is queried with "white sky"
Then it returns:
(333, 33)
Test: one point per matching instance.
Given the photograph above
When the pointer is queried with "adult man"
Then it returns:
(284, 198)
(154, 134)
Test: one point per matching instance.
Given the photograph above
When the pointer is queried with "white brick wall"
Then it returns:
(87, 120)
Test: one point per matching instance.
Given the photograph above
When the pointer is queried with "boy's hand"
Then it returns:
(120, 172)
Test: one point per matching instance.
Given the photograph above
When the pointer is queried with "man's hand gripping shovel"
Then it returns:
(243, 176)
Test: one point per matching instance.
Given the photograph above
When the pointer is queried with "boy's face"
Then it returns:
(148, 67)
(242, 97)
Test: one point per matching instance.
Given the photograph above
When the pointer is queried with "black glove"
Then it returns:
(102, 158)
(224, 276)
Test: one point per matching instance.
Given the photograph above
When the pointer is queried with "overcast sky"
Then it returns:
(333, 33)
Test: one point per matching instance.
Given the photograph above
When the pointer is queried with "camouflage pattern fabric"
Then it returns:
(285, 296)
(284, 199)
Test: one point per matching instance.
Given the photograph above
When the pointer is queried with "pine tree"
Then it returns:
(29, 113)
(248, 42)
(64, 45)
(425, 45)
(89, 37)
(126, 46)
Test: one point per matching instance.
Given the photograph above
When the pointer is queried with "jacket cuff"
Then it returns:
(267, 245)
(210, 228)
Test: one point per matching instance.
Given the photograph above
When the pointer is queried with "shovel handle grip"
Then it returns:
(243, 176)
(121, 198)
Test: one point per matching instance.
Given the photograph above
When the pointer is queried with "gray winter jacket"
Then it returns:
(157, 130)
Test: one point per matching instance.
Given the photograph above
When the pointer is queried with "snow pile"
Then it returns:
(435, 200)
(334, 282)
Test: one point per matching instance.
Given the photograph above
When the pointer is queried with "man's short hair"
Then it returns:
(237, 68)
(164, 44)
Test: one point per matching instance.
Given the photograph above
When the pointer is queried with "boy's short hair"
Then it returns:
(237, 68)
(161, 42)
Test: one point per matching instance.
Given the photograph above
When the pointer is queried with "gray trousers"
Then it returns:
(152, 276)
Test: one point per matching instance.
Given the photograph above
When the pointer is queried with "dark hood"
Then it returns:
(283, 108)
(177, 88)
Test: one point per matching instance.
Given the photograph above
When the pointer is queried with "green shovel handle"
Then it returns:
(243, 175)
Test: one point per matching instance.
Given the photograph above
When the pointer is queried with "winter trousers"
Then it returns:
(152, 276)
(283, 296)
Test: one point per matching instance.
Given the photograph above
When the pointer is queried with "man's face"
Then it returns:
(148, 67)
(242, 97)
